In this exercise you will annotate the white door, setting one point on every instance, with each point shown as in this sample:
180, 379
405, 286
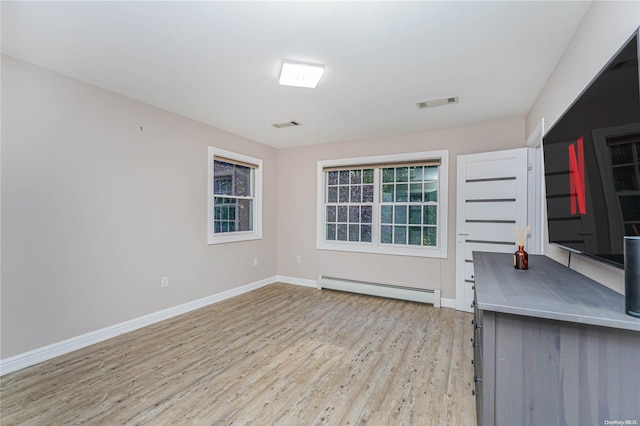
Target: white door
491, 202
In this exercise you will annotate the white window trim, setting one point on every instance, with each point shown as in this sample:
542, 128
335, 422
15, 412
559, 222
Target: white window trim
375, 246
229, 237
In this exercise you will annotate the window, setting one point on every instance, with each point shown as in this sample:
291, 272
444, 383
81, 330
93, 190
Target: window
625, 162
235, 189
384, 204
349, 205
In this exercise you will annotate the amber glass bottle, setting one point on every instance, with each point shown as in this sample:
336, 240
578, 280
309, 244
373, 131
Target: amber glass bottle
521, 259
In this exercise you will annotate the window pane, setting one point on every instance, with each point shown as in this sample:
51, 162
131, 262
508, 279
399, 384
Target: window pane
431, 173
342, 213
244, 220
222, 185
621, 154
367, 176
332, 195
354, 232
415, 235
331, 213
354, 214
222, 177
399, 235
331, 231
342, 232
367, 194
387, 193
217, 186
344, 177
431, 192
242, 176
356, 176
416, 174
400, 216
387, 175
227, 186
429, 237
415, 215
344, 194
402, 193
386, 234
416, 193
231, 179
386, 213
366, 213
630, 207
365, 233
430, 215
625, 178
356, 194
402, 174
333, 178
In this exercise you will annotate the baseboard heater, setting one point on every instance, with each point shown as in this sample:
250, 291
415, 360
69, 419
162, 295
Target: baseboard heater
380, 289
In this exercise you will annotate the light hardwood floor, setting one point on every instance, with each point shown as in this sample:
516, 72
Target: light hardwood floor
282, 354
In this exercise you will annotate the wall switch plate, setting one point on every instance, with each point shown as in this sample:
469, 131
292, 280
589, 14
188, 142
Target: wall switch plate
298, 259
255, 261
164, 282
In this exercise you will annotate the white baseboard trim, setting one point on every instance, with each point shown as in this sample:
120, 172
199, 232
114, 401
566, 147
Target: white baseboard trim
48, 352
447, 303
297, 281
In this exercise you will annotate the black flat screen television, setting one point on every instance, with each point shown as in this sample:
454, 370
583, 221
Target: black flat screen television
592, 163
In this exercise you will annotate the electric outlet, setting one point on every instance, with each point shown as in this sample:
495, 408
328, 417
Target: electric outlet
298, 259
255, 261
164, 282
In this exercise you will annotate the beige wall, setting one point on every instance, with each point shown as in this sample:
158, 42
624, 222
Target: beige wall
297, 206
95, 212
605, 28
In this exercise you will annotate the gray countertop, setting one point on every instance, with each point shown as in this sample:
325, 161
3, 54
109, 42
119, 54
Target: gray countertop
546, 290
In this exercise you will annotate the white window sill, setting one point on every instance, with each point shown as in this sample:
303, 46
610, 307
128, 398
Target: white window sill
418, 251
234, 237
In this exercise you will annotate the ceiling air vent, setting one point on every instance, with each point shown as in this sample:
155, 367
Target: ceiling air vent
437, 102
286, 124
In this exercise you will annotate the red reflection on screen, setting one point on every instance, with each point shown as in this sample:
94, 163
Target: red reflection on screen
576, 177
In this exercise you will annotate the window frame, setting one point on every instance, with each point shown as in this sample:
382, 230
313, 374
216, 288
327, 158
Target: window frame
440, 251
256, 181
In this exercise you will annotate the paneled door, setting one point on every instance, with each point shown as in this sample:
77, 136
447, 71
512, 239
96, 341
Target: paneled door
491, 202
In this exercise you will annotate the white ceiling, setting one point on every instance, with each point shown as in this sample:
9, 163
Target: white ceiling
218, 62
